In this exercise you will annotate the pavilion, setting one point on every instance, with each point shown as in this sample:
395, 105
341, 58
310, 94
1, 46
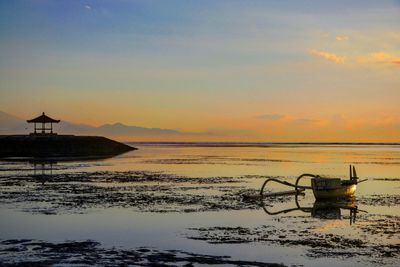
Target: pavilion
43, 120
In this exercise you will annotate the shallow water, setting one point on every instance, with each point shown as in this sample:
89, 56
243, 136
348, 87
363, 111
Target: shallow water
188, 198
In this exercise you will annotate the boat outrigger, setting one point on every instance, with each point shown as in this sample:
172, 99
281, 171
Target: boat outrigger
323, 188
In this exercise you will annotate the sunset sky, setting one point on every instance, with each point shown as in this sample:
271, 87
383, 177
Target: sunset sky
217, 70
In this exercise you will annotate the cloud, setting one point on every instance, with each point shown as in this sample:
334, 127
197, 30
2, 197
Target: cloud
88, 7
372, 58
341, 38
378, 57
228, 131
328, 56
270, 117
305, 121
338, 120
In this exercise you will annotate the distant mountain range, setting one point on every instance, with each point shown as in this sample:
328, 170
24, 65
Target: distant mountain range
10, 124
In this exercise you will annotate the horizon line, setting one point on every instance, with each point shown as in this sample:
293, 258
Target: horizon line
234, 143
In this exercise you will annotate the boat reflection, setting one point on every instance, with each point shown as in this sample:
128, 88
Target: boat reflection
323, 209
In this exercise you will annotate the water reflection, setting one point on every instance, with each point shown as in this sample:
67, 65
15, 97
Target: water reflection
323, 209
43, 170
43, 167
113, 217
333, 210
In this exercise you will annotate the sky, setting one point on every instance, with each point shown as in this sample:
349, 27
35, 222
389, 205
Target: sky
217, 70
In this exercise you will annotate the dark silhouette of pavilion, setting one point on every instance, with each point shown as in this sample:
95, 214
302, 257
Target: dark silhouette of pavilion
42, 120
43, 144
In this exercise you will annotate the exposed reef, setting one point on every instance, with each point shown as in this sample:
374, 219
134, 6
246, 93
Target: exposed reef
27, 252
377, 242
80, 192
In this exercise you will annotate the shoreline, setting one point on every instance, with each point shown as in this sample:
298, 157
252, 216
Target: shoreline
265, 144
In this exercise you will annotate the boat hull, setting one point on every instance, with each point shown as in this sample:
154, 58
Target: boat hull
340, 192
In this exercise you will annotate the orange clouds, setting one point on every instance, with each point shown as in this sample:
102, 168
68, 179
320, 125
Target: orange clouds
372, 58
341, 38
328, 56
379, 57
371, 127
270, 117
371, 49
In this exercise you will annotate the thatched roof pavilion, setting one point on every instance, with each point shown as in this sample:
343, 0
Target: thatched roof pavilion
43, 120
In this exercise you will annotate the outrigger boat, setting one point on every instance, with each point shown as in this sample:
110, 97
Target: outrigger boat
332, 195
323, 188
335, 187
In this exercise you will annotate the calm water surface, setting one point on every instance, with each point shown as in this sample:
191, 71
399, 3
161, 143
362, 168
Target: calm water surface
127, 227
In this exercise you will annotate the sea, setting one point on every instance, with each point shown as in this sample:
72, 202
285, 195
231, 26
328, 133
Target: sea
195, 204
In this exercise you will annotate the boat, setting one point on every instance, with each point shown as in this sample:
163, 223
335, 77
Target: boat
326, 188
322, 187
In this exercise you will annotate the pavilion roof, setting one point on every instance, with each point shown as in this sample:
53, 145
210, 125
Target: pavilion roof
43, 119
